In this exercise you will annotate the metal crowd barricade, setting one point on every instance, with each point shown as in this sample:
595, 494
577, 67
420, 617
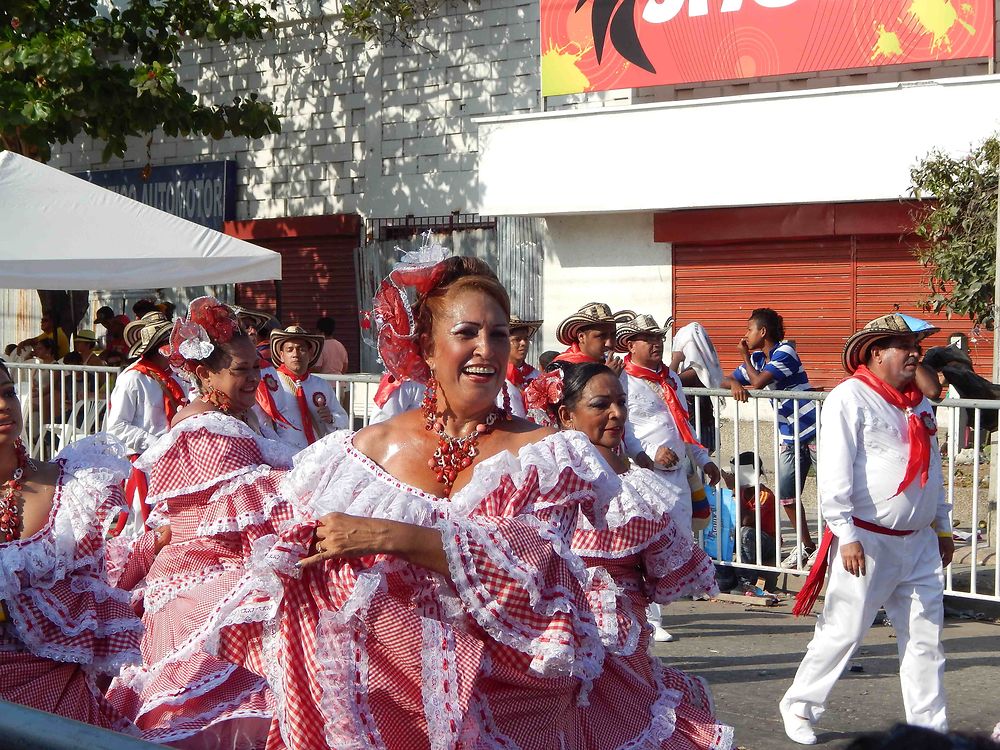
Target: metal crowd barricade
973, 574
60, 403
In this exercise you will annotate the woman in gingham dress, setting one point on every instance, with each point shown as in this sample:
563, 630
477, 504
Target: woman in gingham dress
441, 606
62, 625
648, 549
214, 493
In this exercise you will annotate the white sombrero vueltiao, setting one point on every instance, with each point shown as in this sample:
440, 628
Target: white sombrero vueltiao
313, 340
640, 324
590, 315
146, 333
895, 324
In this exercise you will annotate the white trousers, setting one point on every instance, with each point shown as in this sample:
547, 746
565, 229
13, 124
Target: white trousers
904, 575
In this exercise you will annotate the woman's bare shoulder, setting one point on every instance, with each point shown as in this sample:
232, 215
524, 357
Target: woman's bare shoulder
379, 441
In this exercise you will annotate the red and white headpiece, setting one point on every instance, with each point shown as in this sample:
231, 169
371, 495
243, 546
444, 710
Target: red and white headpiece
542, 397
391, 323
193, 339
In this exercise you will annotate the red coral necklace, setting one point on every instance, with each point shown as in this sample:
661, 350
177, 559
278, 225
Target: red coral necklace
10, 498
453, 454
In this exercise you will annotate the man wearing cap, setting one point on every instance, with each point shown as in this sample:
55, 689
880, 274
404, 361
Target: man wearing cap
115, 326
145, 398
590, 335
889, 532
519, 372
301, 407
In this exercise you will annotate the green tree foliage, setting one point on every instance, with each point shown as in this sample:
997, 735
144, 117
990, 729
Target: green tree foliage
107, 70
957, 227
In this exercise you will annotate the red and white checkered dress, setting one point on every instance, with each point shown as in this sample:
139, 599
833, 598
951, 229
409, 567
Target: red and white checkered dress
211, 479
377, 653
652, 558
67, 624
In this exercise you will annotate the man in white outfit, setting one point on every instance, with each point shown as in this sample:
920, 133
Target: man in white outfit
301, 407
889, 531
657, 433
146, 396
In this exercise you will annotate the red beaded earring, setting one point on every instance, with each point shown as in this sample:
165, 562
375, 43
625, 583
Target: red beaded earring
507, 413
217, 398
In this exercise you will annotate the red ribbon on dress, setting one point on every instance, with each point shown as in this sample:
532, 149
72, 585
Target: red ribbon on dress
574, 356
662, 378
173, 394
517, 375
300, 398
809, 593
919, 432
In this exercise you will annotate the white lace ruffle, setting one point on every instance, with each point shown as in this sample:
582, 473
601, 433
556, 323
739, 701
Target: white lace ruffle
643, 495
331, 475
230, 524
275, 453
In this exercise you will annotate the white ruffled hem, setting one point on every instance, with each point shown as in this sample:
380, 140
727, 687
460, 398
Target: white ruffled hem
275, 452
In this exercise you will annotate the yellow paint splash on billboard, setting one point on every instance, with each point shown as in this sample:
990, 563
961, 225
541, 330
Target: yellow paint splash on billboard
937, 18
887, 44
560, 74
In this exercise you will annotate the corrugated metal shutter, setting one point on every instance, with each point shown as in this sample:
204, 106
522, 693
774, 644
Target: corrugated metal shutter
318, 279
889, 277
808, 282
825, 289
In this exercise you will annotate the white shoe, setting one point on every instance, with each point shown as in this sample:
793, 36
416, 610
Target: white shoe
660, 635
791, 560
798, 729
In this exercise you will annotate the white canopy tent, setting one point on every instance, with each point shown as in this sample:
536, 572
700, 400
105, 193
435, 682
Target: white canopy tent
58, 231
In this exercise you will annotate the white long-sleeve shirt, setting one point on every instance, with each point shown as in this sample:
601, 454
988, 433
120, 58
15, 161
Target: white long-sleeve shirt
410, 394
650, 423
865, 446
136, 415
317, 390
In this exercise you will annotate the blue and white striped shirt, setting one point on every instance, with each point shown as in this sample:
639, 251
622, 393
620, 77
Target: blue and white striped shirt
788, 375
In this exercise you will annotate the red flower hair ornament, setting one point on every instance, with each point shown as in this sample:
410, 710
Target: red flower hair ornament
542, 397
390, 325
193, 339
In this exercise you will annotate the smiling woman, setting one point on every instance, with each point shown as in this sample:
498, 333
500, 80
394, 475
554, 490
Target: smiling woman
214, 494
438, 603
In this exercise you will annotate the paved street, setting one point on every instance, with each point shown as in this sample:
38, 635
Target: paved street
750, 657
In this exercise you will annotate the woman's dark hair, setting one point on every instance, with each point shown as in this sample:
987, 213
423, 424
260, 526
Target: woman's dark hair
49, 344
460, 272
326, 325
222, 355
575, 379
769, 319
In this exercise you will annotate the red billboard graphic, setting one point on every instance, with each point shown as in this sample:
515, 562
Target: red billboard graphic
596, 45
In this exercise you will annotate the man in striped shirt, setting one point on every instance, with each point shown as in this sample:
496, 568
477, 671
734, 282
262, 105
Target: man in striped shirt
771, 362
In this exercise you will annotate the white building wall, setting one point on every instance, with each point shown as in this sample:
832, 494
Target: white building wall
603, 258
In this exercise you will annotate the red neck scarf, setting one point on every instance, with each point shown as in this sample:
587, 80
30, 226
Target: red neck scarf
518, 376
920, 428
173, 394
662, 378
386, 387
574, 356
300, 397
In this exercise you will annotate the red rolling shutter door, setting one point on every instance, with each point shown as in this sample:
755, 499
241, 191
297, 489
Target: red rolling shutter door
806, 281
318, 276
825, 289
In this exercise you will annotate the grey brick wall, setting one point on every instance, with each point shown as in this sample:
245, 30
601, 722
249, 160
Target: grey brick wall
391, 132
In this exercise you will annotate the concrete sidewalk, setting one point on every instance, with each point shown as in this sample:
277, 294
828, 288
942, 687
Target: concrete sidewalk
750, 657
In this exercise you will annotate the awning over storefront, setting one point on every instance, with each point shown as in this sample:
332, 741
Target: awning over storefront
60, 232
821, 146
